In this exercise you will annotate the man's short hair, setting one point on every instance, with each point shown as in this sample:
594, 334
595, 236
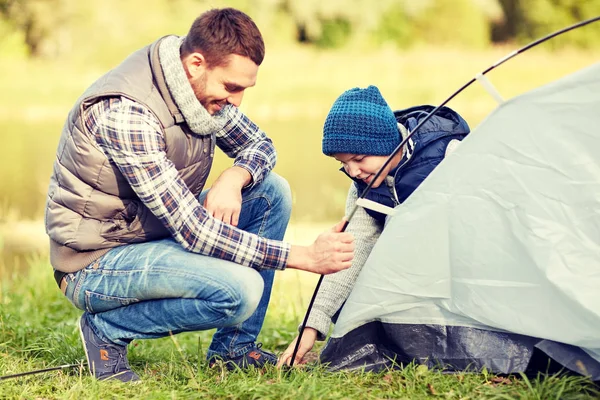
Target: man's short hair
218, 33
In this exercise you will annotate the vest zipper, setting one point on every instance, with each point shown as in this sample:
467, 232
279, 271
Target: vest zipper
409, 147
389, 181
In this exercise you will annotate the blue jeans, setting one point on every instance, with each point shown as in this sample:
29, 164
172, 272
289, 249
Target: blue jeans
152, 289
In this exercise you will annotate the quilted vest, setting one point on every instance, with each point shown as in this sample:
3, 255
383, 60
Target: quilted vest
90, 206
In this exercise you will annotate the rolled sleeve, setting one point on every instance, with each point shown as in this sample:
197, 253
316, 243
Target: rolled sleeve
252, 149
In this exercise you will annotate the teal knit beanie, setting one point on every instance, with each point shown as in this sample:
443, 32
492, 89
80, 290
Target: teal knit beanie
360, 122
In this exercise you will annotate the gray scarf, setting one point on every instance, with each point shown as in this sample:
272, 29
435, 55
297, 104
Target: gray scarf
196, 116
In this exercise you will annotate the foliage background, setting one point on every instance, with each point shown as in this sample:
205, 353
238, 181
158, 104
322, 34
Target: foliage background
66, 27
415, 51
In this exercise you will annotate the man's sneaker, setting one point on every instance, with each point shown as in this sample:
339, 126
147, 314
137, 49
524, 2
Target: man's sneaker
105, 360
255, 357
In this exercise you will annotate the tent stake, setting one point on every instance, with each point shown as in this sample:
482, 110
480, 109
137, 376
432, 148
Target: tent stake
39, 371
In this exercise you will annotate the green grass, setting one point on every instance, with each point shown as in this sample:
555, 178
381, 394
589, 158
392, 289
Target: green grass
295, 90
38, 330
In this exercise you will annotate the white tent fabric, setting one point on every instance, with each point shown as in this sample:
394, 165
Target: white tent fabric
504, 235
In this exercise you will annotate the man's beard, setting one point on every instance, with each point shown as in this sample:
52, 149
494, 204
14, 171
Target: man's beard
200, 90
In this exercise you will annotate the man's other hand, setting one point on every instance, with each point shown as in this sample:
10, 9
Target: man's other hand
224, 199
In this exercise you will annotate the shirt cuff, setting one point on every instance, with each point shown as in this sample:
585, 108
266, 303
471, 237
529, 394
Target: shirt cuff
276, 254
255, 169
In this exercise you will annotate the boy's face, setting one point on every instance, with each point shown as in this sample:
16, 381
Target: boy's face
365, 167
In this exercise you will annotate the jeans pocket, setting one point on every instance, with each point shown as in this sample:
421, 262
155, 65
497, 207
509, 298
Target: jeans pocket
97, 302
73, 286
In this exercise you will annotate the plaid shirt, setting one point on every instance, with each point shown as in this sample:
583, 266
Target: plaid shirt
132, 139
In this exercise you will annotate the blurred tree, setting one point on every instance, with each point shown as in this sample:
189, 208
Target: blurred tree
109, 28
43, 24
527, 20
403, 22
331, 23
396, 26
506, 29
465, 23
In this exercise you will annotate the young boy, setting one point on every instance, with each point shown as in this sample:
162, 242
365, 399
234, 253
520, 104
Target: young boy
361, 132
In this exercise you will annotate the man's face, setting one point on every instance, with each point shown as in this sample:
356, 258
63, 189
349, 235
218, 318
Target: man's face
220, 85
365, 167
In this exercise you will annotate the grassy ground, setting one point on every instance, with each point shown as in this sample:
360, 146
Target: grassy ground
295, 90
38, 330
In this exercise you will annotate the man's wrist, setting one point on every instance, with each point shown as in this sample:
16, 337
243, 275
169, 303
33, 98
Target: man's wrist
298, 257
237, 176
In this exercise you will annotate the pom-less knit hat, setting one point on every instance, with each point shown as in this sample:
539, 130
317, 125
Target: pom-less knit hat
360, 122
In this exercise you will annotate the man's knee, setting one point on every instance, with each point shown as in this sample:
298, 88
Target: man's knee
250, 292
279, 190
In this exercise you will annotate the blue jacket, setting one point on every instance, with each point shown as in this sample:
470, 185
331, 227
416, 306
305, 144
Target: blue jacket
425, 150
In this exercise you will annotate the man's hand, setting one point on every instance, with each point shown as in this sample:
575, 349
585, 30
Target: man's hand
224, 199
333, 251
308, 341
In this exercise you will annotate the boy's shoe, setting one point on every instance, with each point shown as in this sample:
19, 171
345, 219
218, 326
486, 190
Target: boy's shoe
105, 360
255, 357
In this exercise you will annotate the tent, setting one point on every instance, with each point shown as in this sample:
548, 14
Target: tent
494, 261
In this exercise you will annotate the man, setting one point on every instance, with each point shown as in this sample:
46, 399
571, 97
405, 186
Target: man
134, 243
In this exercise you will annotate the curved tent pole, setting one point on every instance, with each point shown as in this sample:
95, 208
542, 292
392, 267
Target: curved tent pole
399, 147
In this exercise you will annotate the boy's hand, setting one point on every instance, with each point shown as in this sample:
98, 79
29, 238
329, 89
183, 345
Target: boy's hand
308, 341
331, 252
